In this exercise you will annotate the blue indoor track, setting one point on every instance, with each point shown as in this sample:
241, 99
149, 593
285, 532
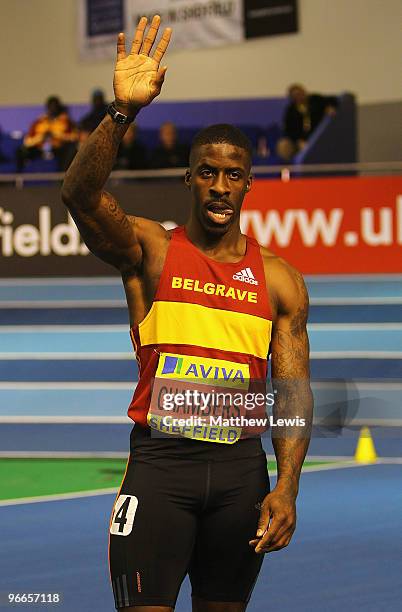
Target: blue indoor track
67, 374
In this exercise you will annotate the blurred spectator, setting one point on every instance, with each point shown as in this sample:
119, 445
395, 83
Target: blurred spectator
51, 135
91, 120
302, 115
3, 158
262, 152
170, 153
132, 154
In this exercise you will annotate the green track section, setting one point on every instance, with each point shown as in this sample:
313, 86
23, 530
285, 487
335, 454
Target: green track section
35, 477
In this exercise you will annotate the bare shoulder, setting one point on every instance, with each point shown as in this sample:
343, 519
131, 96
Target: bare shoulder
147, 227
154, 242
149, 233
285, 283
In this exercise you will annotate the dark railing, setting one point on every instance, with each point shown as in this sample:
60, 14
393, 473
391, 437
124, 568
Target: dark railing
285, 173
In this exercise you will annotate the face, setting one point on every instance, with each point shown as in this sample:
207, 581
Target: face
298, 95
53, 107
219, 177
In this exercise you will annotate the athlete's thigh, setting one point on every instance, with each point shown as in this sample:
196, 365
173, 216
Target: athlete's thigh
152, 534
200, 605
224, 567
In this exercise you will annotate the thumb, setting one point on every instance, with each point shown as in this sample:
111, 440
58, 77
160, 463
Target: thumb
263, 521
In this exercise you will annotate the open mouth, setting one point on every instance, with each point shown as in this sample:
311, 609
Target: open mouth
219, 212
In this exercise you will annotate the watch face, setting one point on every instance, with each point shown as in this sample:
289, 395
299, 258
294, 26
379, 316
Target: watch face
117, 116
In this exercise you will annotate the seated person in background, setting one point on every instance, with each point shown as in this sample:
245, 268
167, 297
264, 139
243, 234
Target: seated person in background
3, 158
261, 152
302, 115
132, 154
51, 135
91, 120
170, 153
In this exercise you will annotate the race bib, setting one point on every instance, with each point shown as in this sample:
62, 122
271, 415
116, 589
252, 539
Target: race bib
202, 398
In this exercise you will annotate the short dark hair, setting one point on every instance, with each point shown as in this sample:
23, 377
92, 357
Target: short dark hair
222, 133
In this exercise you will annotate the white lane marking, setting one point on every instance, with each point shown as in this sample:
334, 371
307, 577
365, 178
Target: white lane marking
356, 354
376, 385
130, 355
13, 329
57, 280
72, 419
63, 455
56, 497
364, 278
352, 326
116, 280
95, 303
68, 386
67, 356
65, 496
120, 328
351, 301
4, 304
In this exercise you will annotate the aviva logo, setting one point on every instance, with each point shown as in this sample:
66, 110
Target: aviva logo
204, 370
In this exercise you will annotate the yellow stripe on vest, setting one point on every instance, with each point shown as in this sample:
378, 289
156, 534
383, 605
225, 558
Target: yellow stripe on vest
196, 325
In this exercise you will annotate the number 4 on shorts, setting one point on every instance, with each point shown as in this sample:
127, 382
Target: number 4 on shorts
123, 515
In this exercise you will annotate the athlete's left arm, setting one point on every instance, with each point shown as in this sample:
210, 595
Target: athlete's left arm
293, 401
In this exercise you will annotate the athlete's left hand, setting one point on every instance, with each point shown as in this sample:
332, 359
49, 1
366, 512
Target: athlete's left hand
277, 521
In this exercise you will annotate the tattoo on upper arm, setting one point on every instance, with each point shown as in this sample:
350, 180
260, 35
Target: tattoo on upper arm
92, 165
117, 214
298, 322
290, 344
291, 347
290, 363
103, 224
290, 379
108, 238
289, 355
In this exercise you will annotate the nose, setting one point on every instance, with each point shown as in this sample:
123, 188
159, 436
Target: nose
220, 186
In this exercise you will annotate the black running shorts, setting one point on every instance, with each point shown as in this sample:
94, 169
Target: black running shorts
186, 507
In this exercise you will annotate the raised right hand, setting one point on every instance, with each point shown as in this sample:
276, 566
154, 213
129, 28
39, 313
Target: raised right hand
138, 79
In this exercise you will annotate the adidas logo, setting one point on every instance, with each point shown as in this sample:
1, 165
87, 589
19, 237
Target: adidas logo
245, 276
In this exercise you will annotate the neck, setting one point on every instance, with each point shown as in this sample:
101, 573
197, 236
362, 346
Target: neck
223, 247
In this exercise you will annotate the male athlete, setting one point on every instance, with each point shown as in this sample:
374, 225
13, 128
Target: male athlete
207, 304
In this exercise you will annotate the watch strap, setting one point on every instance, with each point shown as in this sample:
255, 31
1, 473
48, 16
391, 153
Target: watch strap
117, 116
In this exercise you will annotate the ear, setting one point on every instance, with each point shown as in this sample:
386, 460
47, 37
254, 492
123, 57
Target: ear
187, 179
249, 182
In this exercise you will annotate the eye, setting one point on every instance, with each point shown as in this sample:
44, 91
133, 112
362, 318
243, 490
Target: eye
234, 174
205, 173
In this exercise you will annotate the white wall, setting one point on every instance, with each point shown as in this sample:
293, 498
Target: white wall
350, 45
380, 132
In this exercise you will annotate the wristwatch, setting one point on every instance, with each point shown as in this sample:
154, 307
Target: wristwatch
117, 116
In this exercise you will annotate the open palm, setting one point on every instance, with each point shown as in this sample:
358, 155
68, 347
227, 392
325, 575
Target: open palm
138, 79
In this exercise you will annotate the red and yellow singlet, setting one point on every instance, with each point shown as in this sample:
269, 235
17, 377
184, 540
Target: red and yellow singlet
210, 322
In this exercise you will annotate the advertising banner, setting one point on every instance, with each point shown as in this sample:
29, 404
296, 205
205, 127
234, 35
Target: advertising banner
321, 226
39, 238
329, 225
195, 23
